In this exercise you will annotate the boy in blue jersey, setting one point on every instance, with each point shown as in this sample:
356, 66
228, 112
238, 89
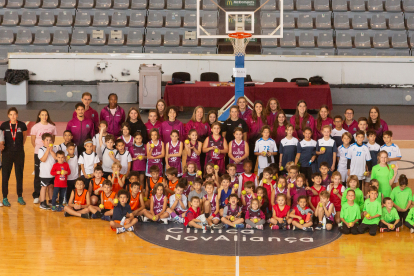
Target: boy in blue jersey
288, 147
374, 149
338, 130
326, 148
359, 158
306, 154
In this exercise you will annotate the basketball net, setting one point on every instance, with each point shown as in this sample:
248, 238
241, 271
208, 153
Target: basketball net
239, 41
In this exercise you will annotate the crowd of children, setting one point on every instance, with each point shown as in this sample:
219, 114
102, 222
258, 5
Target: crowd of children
301, 183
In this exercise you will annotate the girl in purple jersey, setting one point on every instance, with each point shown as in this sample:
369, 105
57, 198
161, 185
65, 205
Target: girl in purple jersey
126, 135
215, 147
155, 152
174, 151
193, 148
232, 213
158, 208
138, 153
238, 150
211, 205
190, 173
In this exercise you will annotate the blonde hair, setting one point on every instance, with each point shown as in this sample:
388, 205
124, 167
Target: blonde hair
193, 117
352, 178
336, 173
117, 164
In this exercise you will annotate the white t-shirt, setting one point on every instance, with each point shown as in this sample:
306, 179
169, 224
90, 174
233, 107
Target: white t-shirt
106, 160
343, 160
124, 159
183, 199
365, 139
358, 155
46, 167
268, 145
63, 148
393, 152
74, 167
88, 161
95, 142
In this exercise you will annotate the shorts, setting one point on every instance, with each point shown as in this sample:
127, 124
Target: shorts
86, 181
106, 174
215, 216
44, 182
140, 172
116, 221
344, 175
338, 208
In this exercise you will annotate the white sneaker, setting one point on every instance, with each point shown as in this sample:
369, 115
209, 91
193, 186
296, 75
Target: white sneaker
120, 230
1, 204
164, 220
36, 200
130, 229
144, 219
412, 230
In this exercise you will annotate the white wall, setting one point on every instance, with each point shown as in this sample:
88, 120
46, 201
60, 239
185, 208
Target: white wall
335, 69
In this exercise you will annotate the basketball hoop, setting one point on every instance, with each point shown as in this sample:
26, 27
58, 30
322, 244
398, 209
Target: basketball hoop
239, 40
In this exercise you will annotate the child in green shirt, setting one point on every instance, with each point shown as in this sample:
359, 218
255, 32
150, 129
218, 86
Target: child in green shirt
350, 214
390, 220
353, 183
409, 220
372, 213
375, 184
402, 195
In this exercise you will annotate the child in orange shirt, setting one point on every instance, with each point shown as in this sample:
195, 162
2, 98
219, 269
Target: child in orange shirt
108, 201
96, 189
117, 179
137, 200
79, 201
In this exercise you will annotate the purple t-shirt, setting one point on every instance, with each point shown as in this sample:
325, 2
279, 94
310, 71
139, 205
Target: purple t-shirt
155, 152
194, 157
135, 151
238, 151
175, 161
38, 130
81, 130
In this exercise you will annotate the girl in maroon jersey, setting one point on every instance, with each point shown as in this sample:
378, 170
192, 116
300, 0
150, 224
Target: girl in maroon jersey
158, 208
193, 148
238, 150
232, 213
174, 151
126, 135
190, 173
139, 155
216, 147
155, 151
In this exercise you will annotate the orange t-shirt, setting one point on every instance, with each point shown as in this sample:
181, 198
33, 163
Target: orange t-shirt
152, 184
80, 199
115, 186
134, 202
107, 204
99, 185
171, 186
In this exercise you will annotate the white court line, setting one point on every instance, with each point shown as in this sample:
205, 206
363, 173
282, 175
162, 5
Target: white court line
237, 265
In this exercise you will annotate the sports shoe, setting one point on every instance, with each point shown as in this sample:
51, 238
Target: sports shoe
382, 230
412, 230
227, 226
36, 200
6, 202
120, 230
97, 215
248, 226
64, 202
106, 218
240, 225
21, 201
319, 226
206, 227
85, 216
44, 206
123, 221
50, 201
164, 220
131, 228
307, 229
218, 226
294, 228
66, 214
274, 227
397, 229
56, 209
144, 219
260, 227
1, 204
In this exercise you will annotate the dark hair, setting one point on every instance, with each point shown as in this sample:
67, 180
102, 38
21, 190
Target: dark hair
98, 168
168, 109
112, 94
103, 122
109, 137
123, 192
377, 124
156, 109
79, 105
268, 170
46, 135
155, 130
138, 133
236, 196
119, 141
388, 132
254, 114
60, 152
237, 129
134, 184
324, 164
87, 94
350, 109
371, 132
338, 117
317, 174
195, 198
70, 144
297, 116
128, 119
249, 184
134, 173
307, 128
12, 109
172, 171
175, 131
81, 180
361, 119
48, 117
360, 132
402, 180
226, 177
68, 131
265, 195
352, 191
319, 119
209, 183
198, 180
215, 124
107, 182
267, 110
126, 124
154, 168
154, 191
302, 197
246, 161
372, 189
386, 199
212, 112
182, 183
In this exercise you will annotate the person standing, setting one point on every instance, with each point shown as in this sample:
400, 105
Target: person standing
114, 115
136, 124
255, 122
80, 127
349, 123
377, 124
90, 113
233, 122
302, 119
170, 124
43, 125
13, 153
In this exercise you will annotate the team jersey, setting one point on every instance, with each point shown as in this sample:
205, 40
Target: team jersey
332, 216
115, 185
359, 155
393, 152
98, 148
391, 216
307, 151
350, 213
88, 161
315, 198
306, 210
243, 178
46, 167
238, 151
224, 197
150, 184
213, 202
158, 204
175, 162
124, 158
63, 148
80, 199
335, 198
343, 160
359, 198
330, 148
107, 204
289, 149
134, 202
372, 208
96, 186
281, 213
262, 145
233, 181
136, 151
74, 167
106, 160
128, 143
194, 157
248, 199
374, 150
171, 186
228, 211
156, 151
365, 139
337, 136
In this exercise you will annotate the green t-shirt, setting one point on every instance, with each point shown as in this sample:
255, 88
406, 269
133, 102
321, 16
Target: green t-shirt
401, 198
359, 198
350, 213
410, 217
391, 216
383, 175
372, 208
379, 198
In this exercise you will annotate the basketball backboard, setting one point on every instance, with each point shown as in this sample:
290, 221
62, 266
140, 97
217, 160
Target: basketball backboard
240, 16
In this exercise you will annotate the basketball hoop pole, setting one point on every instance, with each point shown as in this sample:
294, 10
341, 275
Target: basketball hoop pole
239, 41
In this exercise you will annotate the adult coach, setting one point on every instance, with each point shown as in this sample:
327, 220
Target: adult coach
302, 119
171, 124
80, 127
90, 113
114, 115
376, 124
43, 125
349, 123
13, 153
384, 174
232, 122
198, 122
255, 122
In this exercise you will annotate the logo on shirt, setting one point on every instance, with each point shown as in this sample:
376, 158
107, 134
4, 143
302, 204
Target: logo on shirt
354, 128
87, 126
239, 126
93, 115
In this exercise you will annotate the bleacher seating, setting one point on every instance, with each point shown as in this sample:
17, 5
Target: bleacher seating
321, 27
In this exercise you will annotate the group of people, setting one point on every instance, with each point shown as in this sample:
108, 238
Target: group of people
311, 173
